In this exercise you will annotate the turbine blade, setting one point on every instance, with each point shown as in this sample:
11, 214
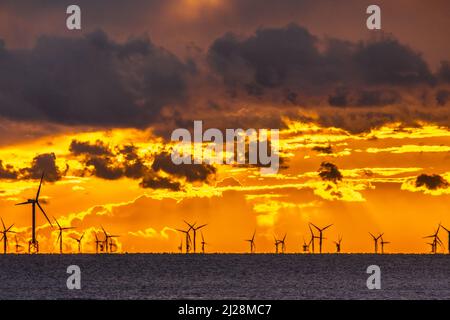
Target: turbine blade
327, 227
45, 214
4, 227
315, 226
39, 189
22, 203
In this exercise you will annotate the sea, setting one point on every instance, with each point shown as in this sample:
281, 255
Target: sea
224, 276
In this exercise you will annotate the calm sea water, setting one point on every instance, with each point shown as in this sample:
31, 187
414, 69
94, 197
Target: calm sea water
230, 276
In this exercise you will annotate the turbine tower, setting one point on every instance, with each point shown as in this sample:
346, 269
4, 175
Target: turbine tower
60, 235
33, 245
4, 233
252, 242
321, 230
203, 243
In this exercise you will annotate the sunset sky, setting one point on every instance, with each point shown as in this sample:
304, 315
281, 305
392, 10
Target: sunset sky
95, 109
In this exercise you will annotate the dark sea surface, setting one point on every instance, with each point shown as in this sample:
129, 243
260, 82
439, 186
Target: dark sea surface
225, 276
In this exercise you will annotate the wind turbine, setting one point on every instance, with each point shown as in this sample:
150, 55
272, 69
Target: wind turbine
203, 243
320, 234
448, 232
60, 235
33, 245
305, 246
283, 244
436, 240
98, 243
194, 230
338, 245
382, 244
375, 239
79, 242
19, 247
180, 247
313, 236
108, 240
252, 242
188, 238
277, 243
4, 233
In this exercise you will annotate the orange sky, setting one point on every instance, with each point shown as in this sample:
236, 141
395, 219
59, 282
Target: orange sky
239, 200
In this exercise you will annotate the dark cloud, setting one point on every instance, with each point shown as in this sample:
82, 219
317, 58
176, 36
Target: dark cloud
442, 97
104, 167
328, 149
160, 183
96, 149
192, 172
390, 62
90, 80
365, 98
444, 71
7, 171
431, 182
330, 172
43, 163
290, 57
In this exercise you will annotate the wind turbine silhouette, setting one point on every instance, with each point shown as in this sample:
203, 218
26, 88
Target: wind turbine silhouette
33, 244
375, 239
79, 242
4, 233
382, 244
338, 245
306, 246
194, 230
436, 240
321, 234
283, 244
277, 243
188, 238
252, 242
203, 243
313, 236
180, 247
60, 235
448, 232
98, 243
19, 247
108, 240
